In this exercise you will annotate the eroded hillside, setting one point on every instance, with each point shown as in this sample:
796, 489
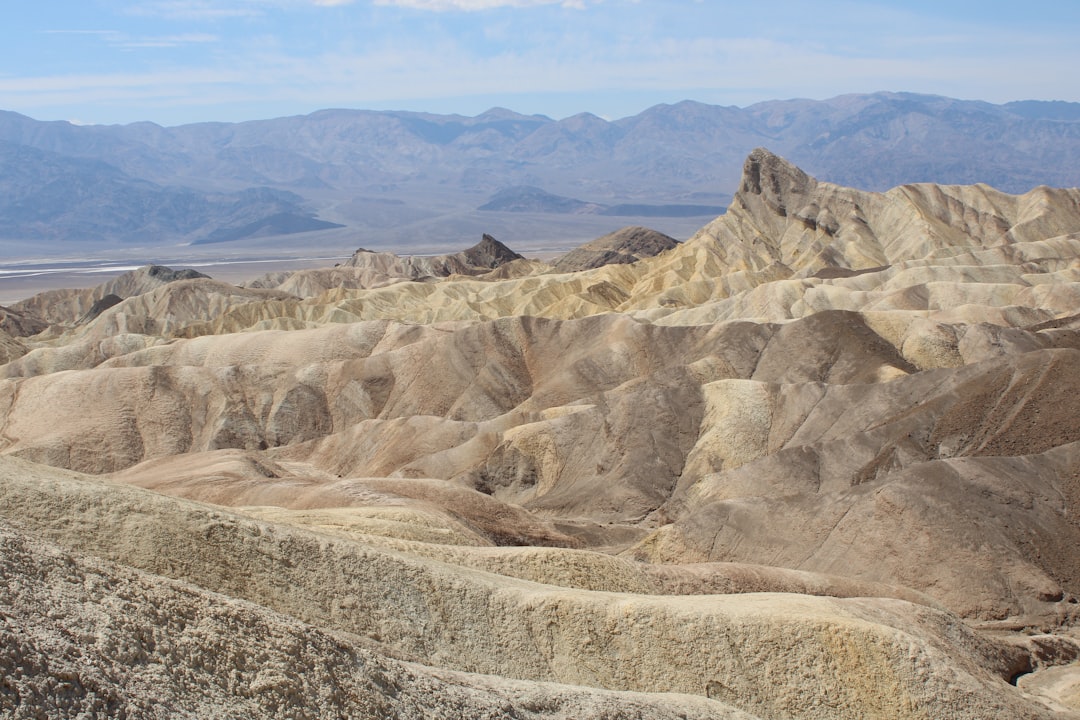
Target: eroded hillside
820, 460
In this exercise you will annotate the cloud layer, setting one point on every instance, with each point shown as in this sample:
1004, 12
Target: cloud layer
467, 5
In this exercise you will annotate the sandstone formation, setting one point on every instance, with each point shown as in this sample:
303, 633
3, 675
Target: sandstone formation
10, 347
752, 652
64, 306
20, 324
367, 269
820, 460
627, 245
204, 655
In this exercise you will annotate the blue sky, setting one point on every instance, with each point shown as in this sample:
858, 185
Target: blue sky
179, 61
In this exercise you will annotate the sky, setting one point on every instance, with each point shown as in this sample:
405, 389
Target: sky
181, 61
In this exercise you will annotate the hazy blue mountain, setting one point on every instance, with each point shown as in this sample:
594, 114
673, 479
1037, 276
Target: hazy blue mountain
525, 198
402, 175
528, 199
879, 141
49, 197
1045, 110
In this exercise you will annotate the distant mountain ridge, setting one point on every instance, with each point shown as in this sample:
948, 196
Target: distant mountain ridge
410, 174
49, 196
526, 198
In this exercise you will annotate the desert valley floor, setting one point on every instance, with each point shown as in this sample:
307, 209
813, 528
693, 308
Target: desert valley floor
821, 460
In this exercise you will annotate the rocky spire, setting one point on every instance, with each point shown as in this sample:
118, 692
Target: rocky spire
775, 180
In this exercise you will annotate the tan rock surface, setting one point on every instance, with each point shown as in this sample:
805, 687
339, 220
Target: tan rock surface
765, 654
10, 348
20, 324
367, 269
820, 460
84, 637
624, 246
66, 307
1058, 687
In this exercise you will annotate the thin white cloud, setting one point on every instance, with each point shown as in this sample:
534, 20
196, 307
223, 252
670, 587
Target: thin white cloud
165, 41
206, 10
104, 33
195, 9
115, 38
465, 5
121, 82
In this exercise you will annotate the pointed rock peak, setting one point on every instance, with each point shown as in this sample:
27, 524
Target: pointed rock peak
774, 179
766, 173
491, 253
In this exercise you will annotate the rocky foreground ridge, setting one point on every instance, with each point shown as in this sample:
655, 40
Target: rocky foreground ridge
820, 460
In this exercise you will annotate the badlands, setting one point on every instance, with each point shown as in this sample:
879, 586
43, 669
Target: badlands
821, 460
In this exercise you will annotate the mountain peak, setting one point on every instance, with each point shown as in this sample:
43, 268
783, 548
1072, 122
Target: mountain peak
501, 113
491, 253
773, 178
165, 274
624, 246
765, 171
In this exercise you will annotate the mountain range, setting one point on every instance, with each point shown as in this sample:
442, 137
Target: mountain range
404, 179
